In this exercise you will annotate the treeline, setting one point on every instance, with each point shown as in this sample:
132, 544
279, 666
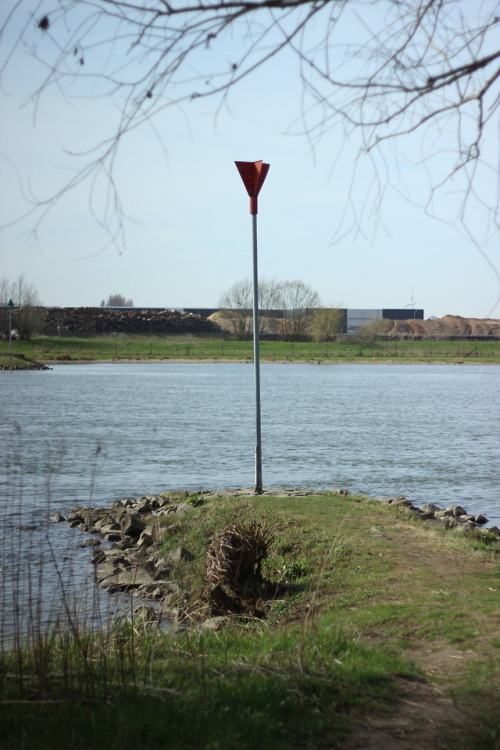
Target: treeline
289, 310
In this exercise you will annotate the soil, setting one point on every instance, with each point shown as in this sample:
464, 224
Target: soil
425, 710
449, 325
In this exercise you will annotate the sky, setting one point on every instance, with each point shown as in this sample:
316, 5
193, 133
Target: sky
187, 235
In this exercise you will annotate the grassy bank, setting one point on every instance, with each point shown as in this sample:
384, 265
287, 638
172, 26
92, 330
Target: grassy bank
367, 611
122, 348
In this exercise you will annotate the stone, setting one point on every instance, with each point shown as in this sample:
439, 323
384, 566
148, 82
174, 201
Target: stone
430, 508
56, 517
99, 557
106, 570
402, 502
131, 525
162, 570
125, 580
180, 554
449, 522
107, 528
144, 505
145, 539
480, 519
456, 510
215, 623
443, 513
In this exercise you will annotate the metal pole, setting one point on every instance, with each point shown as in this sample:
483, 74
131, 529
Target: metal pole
10, 331
256, 360
253, 175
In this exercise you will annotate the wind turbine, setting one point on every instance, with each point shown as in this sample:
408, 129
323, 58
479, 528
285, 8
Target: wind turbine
411, 303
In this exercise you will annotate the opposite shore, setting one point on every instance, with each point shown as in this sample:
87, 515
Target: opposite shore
182, 349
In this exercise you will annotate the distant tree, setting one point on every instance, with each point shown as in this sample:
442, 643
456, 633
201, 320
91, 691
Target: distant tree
28, 315
373, 330
325, 323
298, 300
237, 303
117, 300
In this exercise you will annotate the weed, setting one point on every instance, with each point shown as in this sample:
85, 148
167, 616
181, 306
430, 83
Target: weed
196, 500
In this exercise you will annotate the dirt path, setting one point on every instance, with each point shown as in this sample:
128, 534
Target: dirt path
426, 709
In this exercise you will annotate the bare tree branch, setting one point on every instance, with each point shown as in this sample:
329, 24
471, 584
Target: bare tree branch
381, 70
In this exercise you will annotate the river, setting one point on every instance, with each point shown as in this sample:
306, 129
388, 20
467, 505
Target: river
90, 434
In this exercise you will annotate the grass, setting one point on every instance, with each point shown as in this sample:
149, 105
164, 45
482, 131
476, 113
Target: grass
125, 348
359, 588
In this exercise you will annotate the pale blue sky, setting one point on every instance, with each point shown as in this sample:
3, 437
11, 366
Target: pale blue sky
189, 234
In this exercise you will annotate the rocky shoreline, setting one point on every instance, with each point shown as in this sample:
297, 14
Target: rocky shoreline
135, 528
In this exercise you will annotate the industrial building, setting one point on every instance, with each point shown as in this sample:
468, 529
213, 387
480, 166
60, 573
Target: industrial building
356, 319
352, 319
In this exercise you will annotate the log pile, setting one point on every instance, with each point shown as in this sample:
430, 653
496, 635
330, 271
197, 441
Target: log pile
99, 320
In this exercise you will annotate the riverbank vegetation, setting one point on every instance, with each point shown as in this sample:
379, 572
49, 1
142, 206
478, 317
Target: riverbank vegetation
189, 347
366, 612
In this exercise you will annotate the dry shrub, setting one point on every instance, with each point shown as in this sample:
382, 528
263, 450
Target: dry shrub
233, 577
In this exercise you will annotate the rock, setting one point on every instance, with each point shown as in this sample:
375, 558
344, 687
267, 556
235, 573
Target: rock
145, 539
443, 514
144, 505
426, 515
107, 528
215, 623
131, 525
174, 495
56, 517
494, 530
180, 554
456, 510
125, 580
480, 519
162, 570
161, 501
430, 508
90, 543
125, 544
99, 557
402, 502
106, 570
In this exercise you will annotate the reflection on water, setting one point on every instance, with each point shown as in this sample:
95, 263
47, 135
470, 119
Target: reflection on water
94, 433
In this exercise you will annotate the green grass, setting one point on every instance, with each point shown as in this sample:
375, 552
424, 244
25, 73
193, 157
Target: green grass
347, 615
122, 347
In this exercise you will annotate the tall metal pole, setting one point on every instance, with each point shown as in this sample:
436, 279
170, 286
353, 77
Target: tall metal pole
10, 306
253, 175
256, 360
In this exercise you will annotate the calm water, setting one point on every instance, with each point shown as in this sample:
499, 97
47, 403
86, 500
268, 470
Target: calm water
89, 434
